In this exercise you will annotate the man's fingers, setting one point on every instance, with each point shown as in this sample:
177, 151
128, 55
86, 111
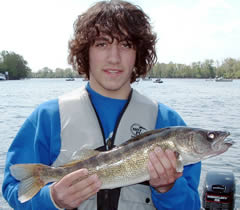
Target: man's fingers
88, 184
162, 166
152, 172
82, 191
166, 164
75, 188
157, 164
73, 177
172, 158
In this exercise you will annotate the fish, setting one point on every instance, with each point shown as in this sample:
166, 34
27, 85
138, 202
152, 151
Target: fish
126, 164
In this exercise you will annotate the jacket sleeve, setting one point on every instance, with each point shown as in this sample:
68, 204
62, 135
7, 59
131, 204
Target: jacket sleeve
38, 141
184, 194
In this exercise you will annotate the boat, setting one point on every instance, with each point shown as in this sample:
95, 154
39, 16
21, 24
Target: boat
2, 76
70, 79
146, 79
158, 80
221, 79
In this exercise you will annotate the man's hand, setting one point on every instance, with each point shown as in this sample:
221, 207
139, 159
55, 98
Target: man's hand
74, 188
162, 169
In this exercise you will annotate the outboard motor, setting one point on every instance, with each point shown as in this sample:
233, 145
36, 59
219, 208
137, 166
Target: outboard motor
218, 191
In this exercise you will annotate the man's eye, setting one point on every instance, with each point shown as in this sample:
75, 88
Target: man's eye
127, 44
100, 44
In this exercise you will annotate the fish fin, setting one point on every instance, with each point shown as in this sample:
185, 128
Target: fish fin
30, 180
180, 165
70, 163
28, 188
143, 135
84, 154
81, 155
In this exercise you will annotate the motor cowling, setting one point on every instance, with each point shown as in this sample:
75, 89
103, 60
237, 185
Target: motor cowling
218, 191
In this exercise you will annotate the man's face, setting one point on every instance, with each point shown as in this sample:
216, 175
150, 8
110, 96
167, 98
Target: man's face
111, 64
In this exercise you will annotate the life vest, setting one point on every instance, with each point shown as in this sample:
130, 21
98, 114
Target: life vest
80, 128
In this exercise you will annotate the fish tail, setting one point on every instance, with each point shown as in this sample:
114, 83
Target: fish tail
30, 180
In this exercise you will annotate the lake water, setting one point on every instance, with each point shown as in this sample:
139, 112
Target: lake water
205, 104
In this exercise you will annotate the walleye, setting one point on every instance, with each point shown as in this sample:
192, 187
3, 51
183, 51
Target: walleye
126, 164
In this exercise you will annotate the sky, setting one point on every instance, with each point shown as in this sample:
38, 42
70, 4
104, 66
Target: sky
187, 30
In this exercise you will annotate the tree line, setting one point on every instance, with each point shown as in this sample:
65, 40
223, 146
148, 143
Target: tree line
57, 73
229, 68
17, 68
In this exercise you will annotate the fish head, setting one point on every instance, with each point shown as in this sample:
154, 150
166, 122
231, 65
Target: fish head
211, 143
199, 144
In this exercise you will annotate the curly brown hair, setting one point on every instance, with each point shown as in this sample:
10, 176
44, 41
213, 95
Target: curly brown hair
120, 20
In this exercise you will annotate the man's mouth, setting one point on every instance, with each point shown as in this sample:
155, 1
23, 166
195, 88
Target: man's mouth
113, 71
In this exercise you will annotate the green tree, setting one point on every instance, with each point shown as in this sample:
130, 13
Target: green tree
208, 69
14, 64
230, 68
59, 73
196, 68
44, 73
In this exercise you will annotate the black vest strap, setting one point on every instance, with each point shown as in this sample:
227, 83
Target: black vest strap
108, 199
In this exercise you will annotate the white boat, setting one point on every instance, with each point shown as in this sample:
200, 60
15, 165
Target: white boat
158, 80
2, 76
70, 79
221, 79
147, 79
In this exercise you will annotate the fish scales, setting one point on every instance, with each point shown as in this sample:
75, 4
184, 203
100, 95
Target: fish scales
129, 163
119, 167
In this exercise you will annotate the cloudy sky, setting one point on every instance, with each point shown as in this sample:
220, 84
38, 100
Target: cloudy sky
188, 30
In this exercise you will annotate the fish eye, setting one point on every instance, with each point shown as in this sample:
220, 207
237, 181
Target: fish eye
211, 136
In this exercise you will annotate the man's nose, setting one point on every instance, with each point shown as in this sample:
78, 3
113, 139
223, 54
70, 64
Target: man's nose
114, 54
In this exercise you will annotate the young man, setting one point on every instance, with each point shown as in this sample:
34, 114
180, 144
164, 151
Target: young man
113, 45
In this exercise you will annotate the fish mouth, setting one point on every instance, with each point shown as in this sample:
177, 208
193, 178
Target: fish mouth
222, 144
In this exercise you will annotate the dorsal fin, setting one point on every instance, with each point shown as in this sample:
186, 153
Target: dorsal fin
81, 155
70, 163
143, 135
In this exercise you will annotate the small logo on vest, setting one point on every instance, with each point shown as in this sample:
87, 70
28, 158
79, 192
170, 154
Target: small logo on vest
137, 129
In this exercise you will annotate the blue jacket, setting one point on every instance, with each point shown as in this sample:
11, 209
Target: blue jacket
38, 141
